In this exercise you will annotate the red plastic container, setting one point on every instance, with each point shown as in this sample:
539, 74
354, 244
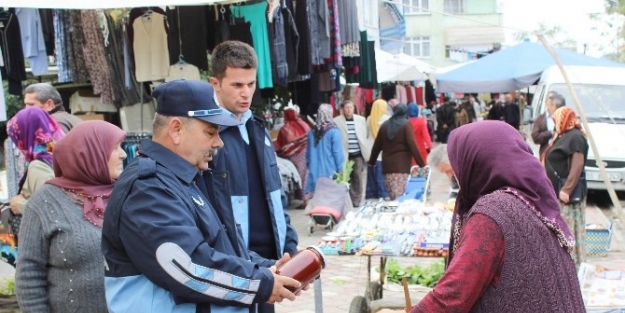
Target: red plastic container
305, 266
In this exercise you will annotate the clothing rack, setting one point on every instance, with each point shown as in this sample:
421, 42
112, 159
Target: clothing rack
131, 144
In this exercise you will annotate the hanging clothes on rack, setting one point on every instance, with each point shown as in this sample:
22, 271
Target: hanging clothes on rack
131, 145
255, 14
76, 42
291, 39
350, 30
280, 67
183, 71
335, 58
304, 48
14, 69
188, 35
151, 54
95, 57
33, 44
47, 27
125, 87
64, 72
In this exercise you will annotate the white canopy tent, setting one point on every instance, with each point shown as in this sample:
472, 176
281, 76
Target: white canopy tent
401, 67
109, 4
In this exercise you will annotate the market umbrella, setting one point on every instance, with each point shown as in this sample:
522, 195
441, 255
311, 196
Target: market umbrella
510, 69
390, 68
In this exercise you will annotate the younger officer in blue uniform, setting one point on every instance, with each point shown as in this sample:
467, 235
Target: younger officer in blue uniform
165, 246
248, 188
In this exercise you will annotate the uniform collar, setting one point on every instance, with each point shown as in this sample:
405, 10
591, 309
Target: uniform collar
184, 170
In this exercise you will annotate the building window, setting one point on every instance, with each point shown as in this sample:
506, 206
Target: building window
416, 6
455, 6
417, 46
370, 16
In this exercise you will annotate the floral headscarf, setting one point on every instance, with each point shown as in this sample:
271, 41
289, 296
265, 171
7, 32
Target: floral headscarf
565, 120
325, 121
35, 133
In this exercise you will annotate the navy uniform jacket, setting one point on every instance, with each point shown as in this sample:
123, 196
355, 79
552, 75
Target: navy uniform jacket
230, 182
166, 249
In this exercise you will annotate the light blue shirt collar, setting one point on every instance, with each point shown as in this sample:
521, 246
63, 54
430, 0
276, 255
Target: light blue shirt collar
242, 129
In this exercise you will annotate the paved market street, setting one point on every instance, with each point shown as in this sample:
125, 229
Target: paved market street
345, 277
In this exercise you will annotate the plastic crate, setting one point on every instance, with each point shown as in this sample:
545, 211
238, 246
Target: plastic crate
598, 241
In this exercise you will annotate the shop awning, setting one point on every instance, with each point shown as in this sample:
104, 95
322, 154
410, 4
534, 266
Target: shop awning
108, 4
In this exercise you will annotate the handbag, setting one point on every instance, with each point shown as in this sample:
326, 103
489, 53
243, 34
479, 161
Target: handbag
579, 192
15, 220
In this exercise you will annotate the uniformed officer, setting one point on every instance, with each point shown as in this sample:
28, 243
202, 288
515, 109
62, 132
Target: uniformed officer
165, 247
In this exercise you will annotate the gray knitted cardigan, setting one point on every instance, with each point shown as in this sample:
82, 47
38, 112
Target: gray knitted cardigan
60, 266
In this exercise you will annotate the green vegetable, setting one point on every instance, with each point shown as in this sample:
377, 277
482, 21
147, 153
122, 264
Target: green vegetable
417, 275
343, 176
9, 286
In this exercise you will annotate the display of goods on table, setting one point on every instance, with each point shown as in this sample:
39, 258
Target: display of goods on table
602, 287
410, 228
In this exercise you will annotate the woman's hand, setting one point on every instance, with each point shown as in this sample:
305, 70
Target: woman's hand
564, 197
14, 203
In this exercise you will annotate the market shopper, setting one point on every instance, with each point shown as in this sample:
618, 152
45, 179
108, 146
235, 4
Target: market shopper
564, 161
439, 159
165, 245
60, 255
543, 129
420, 129
509, 248
46, 97
396, 142
325, 155
356, 148
245, 175
291, 144
34, 133
376, 188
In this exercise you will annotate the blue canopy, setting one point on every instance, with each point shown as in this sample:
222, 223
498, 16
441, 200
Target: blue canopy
511, 69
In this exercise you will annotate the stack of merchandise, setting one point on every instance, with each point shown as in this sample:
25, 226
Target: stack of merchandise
410, 228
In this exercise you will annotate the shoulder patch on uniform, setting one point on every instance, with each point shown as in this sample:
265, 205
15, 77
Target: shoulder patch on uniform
147, 167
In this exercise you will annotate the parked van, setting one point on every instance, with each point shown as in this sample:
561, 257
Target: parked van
601, 91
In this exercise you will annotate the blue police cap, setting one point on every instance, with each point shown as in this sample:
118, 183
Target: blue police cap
191, 98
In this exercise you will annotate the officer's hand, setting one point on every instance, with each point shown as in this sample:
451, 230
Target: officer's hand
280, 283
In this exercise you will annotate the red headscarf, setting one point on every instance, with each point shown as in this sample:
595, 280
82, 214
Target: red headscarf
294, 128
81, 165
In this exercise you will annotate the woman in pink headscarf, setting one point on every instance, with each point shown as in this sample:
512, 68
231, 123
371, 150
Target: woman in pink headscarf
60, 266
291, 144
